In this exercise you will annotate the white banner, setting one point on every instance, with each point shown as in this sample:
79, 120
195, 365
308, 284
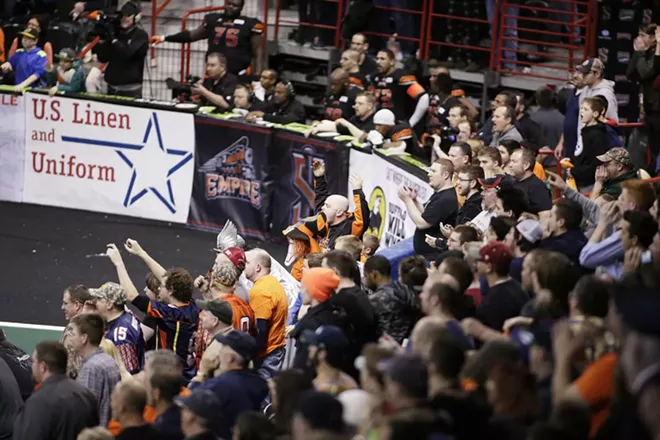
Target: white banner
12, 147
388, 218
108, 158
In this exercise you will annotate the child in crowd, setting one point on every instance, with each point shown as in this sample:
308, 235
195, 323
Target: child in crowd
592, 143
69, 75
370, 245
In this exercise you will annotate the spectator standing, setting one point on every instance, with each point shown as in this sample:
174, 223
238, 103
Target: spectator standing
569, 138
125, 55
340, 102
237, 388
643, 68
121, 327
163, 378
521, 167
11, 401
593, 70
98, 372
238, 37
128, 401
327, 349
529, 129
360, 44
73, 301
505, 296
39, 25
218, 86
175, 314
199, 411
503, 126
395, 305
19, 363
284, 107
591, 144
269, 302
60, 407
548, 118
69, 75
398, 91
442, 207
28, 63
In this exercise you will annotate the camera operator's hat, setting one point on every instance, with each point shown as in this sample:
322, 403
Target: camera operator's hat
66, 54
130, 8
384, 117
30, 33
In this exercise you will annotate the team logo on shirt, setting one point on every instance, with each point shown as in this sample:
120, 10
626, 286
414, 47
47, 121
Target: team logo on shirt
231, 174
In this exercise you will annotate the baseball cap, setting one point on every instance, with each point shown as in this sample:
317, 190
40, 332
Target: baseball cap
530, 229
111, 292
384, 117
130, 8
328, 337
320, 283
30, 33
241, 342
203, 403
220, 308
617, 154
499, 181
590, 64
409, 371
496, 253
237, 256
66, 54
322, 411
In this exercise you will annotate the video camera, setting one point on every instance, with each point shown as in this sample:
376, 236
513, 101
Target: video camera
107, 24
182, 91
448, 136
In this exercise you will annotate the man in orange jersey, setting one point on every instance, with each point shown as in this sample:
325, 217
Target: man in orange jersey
269, 302
229, 265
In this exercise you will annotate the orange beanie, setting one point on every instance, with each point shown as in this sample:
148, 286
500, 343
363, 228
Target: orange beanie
320, 283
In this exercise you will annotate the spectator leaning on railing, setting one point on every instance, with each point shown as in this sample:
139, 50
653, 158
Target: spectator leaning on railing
69, 76
28, 63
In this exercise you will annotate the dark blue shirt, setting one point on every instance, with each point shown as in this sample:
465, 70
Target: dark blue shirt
125, 332
571, 121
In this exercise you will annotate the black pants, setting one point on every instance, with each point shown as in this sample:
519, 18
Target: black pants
137, 93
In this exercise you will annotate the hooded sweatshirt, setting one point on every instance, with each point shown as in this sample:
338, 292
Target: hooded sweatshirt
606, 89
592, 144
239, 391
397, 309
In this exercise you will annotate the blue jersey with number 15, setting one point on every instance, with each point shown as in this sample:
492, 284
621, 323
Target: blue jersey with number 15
125, 332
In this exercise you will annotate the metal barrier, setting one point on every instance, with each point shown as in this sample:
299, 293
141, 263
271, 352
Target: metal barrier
580, 45
336, 27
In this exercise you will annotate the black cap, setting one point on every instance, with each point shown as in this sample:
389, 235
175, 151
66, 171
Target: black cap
30, 33
322, 411
220, 308
241, 342
327, 337
203, 403
638, 307
499, 181
409, 371
129, 9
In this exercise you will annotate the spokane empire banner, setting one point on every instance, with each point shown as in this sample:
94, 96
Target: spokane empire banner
102, 157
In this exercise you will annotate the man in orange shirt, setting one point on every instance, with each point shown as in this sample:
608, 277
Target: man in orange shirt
269, 302
227, 269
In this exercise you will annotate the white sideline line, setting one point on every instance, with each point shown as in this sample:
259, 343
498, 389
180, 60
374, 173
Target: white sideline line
31, 326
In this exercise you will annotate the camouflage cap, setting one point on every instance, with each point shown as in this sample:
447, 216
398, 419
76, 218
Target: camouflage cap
111, 292
617, 154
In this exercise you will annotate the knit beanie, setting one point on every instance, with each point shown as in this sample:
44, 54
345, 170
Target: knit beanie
320, 283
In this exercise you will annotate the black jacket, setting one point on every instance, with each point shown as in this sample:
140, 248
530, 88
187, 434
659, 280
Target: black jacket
10, 401
470, 209
20, 364
594, 142
59, 409
645, 67
355, 303
125, 57
321, 314
397, 309
291, 111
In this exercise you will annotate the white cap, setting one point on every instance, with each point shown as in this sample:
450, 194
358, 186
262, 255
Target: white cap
530, 229
384, 117
357, 406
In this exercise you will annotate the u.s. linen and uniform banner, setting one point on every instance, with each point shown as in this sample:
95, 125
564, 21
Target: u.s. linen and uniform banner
103, 157
388, 218
12, 147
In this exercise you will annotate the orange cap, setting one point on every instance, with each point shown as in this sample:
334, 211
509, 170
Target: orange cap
320, 283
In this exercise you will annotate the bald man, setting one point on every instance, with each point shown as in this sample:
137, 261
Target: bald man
269, 302
128, 400
336, 220
339, 103
350, 62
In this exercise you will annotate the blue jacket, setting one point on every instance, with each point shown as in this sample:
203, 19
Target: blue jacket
239, 391
570, 243
26, 63
612, 134
571, 121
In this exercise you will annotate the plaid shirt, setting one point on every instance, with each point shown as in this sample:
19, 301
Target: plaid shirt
99, 374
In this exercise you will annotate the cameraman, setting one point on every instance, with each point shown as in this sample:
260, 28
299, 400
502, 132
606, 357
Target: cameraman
218, 87
125, 54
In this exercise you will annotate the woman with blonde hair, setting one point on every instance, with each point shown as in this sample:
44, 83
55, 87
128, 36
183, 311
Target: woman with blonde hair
111, 350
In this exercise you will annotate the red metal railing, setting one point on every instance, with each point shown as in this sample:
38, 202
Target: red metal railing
585, 22
336, 27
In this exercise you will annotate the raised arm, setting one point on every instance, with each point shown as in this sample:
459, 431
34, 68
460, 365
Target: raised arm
134, 248
122, 273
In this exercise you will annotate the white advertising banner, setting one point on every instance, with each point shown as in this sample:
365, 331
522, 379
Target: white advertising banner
388, 218
108, 158
12, 147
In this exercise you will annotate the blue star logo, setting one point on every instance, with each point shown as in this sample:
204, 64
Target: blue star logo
145, 177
